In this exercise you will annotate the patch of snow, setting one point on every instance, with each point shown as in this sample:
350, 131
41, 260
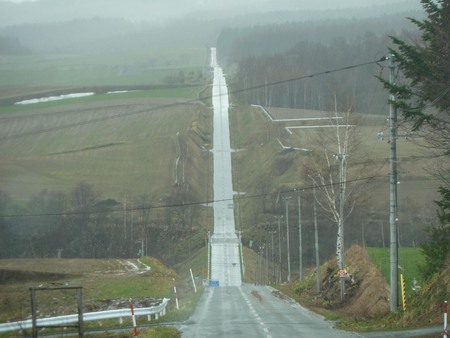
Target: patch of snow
133, 266
146, 267
54, 98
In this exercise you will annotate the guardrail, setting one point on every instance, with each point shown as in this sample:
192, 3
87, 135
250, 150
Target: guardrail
159, 310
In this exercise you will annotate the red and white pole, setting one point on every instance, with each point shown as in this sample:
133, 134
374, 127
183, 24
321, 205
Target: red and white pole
136, 333
445, 319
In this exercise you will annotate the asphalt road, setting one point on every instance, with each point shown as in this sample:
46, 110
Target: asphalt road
255, 311
225, 259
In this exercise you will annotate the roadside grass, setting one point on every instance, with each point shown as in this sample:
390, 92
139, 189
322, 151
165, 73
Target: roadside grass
187, 297
153, 332
125, 332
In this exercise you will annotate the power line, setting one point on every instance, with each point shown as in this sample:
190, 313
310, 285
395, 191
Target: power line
191, 101
169, 105
384, 58
165, 206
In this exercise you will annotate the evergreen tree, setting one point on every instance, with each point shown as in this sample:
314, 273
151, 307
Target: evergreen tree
437, 249
424, 99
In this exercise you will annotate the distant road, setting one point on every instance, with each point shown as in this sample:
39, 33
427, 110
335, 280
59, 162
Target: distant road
225, 258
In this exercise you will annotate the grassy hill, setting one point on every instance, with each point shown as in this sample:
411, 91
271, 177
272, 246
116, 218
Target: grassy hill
111, 143
263, 169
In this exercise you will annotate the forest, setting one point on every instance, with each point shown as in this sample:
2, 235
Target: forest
292, 53
82, 224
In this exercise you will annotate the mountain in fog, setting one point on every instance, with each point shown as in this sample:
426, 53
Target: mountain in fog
161, 10
67, 26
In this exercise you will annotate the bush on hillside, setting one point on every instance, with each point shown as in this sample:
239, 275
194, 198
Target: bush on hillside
437, 249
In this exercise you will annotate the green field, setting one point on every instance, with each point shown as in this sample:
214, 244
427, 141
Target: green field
409, 260
112, 145
136, 67
122, 143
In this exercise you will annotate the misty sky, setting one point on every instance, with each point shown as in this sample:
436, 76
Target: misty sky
306, 4
19, 0
16, 12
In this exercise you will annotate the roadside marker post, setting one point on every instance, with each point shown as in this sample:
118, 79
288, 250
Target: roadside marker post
176, 295
193, 281
445, 319
136, 333
403, 284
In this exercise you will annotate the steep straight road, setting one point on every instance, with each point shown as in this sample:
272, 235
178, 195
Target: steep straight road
225, 259
241, 310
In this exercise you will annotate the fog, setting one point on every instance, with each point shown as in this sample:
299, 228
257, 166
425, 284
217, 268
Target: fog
102, 45
79, 26
13, 12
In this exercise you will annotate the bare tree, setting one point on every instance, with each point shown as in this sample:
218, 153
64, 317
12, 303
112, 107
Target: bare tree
332, 151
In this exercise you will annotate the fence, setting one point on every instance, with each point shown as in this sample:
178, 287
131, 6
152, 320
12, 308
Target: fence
159, 310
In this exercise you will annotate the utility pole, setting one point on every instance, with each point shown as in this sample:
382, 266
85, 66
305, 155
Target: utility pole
393, 194
316, 237
209, 256
272, 257
286, 202
300, 250
279, 246
125, 217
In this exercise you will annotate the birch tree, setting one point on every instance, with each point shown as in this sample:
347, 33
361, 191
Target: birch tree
333, 148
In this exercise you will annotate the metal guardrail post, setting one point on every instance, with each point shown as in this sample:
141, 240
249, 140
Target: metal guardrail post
90, 316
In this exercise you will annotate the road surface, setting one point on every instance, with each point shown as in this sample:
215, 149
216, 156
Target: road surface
255, 311
225, 258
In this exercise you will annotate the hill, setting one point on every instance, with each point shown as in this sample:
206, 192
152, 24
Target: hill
366, 290
365, 306
265, 172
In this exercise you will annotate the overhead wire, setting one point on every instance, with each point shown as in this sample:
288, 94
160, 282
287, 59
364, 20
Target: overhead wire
190, 101
142, 111
199, 203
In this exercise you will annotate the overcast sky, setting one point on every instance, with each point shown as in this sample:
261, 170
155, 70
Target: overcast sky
303, 3
19, 0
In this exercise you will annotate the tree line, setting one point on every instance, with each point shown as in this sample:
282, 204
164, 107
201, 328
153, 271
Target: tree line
80, 224
290, 51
